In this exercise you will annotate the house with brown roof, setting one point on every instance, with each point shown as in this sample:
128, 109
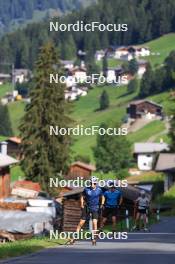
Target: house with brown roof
166, 163
140, 108
81, 169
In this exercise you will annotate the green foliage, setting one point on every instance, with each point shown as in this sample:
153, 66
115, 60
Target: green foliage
45, 155
146, 82
105, 65
112, 153
132, 86
133, 66
143, 19
172, 132
104, 100
5, 124
83, 158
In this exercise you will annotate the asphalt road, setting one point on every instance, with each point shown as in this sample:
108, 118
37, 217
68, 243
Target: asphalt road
156, 247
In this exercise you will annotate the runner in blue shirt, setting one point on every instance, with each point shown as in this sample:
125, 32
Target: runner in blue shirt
91, 202
113, 199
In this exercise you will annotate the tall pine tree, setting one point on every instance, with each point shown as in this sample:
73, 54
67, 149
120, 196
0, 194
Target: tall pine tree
45, 155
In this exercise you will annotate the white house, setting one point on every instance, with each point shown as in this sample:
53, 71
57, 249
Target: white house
4, 78
99, 54
79, 74
142, 51
67, 64
146, 154
121, 51
21, 75
111, 75
142, 64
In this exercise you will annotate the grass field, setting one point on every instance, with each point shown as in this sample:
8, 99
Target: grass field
16, 111
5, 88
162, 45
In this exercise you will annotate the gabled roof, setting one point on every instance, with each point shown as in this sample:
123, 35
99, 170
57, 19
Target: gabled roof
6, 160
84, 165
149, 147
166, 161
145, 101
16, 140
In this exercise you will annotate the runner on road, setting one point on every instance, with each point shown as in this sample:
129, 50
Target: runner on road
142, 204
92, 200
113, 200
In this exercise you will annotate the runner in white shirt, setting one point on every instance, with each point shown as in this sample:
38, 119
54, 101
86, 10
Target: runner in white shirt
142, 204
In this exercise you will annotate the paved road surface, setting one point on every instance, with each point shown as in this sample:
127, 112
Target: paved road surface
156, 247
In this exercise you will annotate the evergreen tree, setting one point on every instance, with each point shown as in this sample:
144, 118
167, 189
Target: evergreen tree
172, 132
132, 86
104, 100
5, 124
133, 66
105, 65
45, 155
146, 82
112, 153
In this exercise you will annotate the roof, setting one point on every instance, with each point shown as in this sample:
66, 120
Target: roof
150, 147
21, 71
84, 165
5, 75
16, 140
166, 161
145, 101
35, 186
6, 160
129, 192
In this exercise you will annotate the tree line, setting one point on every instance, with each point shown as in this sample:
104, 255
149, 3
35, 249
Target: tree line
146, 20
159, 80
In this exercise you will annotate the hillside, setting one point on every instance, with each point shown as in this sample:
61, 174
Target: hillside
17, 13
141, 18
85, 110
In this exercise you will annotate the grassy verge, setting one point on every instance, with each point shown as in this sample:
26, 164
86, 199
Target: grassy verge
16, 173
168, 198
146, 177
18, 248
146, 132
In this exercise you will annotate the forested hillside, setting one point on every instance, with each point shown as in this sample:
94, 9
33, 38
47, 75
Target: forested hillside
146, 20
16, 12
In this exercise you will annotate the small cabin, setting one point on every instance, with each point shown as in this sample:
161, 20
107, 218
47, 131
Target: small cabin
80, 169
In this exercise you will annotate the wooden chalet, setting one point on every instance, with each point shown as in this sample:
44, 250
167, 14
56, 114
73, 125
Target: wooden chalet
140, 108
